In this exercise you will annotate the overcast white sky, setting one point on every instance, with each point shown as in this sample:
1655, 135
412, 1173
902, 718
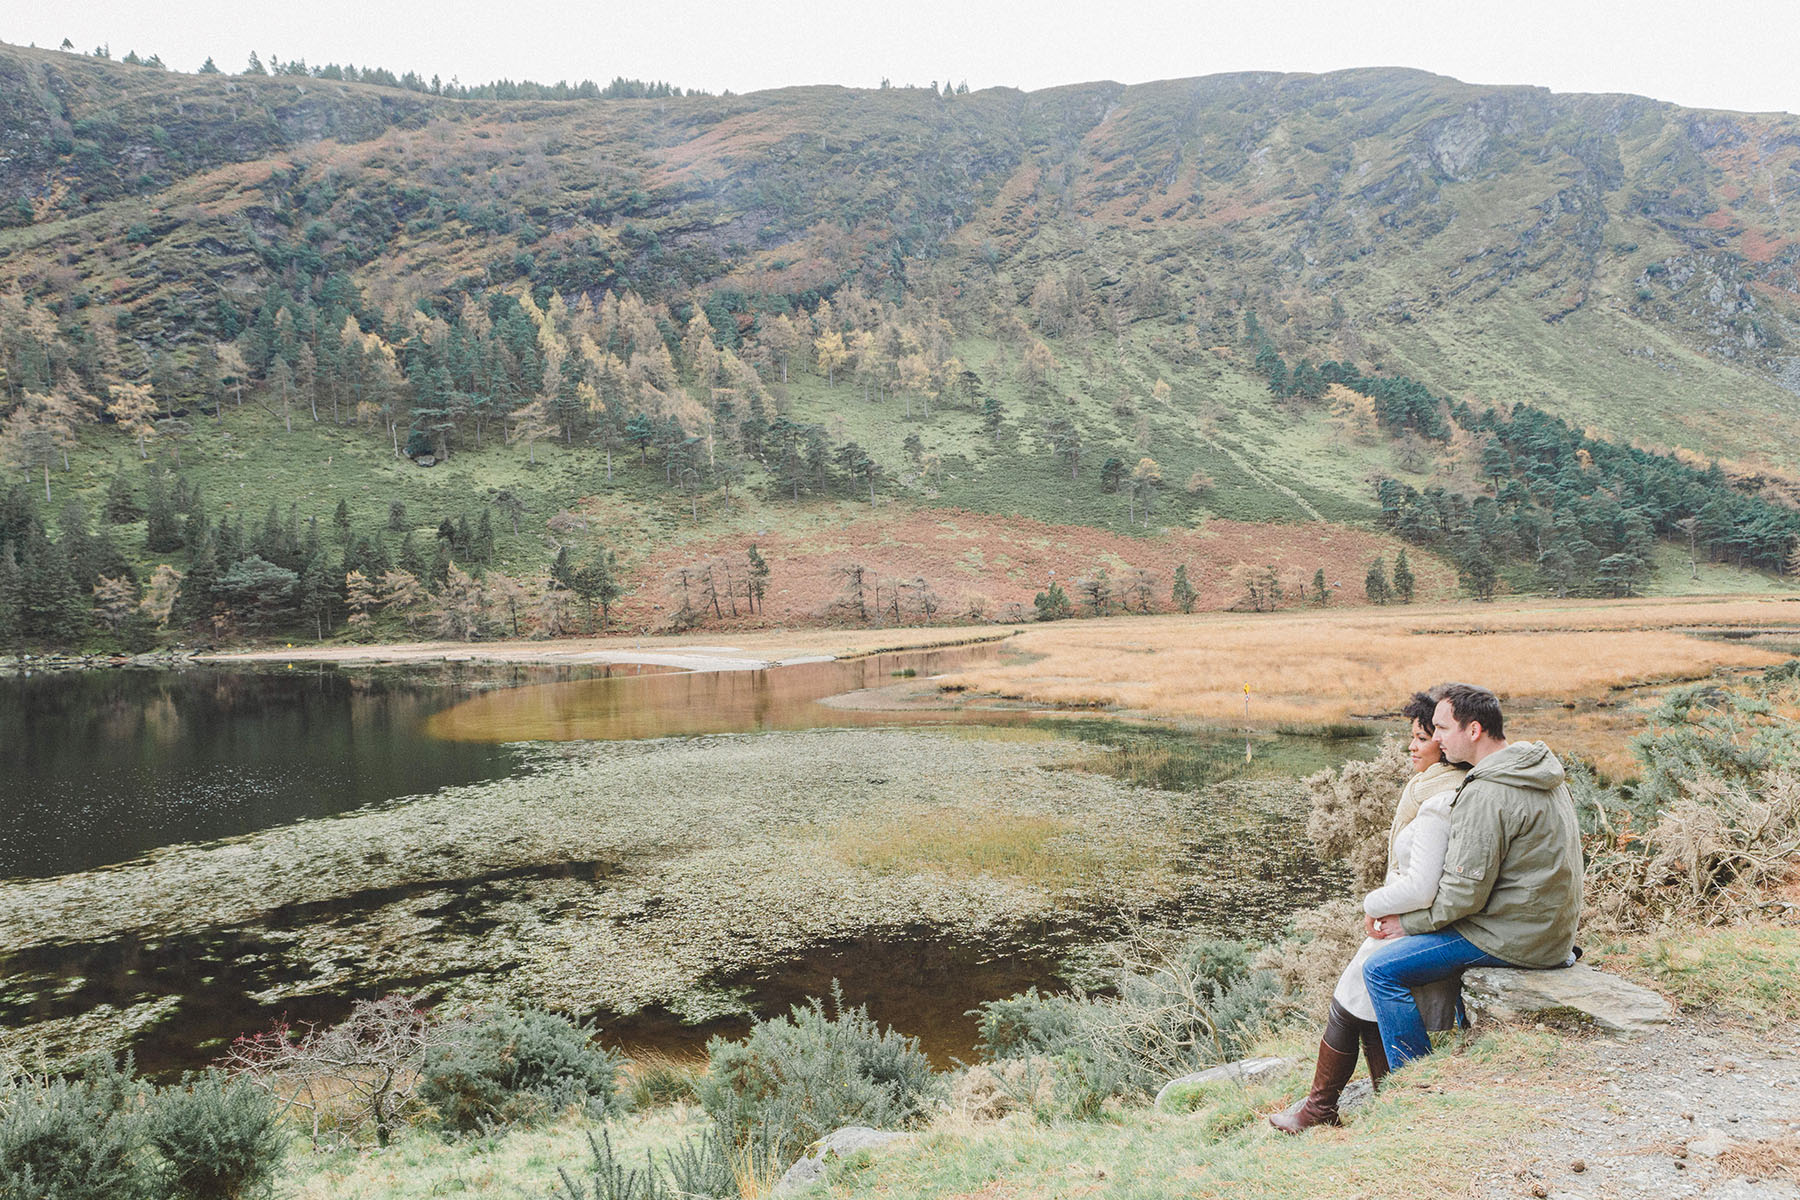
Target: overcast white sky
1738, 54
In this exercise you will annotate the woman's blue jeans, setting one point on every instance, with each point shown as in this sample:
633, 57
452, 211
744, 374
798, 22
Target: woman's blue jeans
1406, 963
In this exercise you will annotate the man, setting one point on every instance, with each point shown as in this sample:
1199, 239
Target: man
1511, 888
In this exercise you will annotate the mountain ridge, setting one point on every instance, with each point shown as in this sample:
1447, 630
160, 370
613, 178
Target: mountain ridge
1140, 274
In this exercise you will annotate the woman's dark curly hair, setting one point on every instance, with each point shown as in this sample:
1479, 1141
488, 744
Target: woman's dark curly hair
1421, 708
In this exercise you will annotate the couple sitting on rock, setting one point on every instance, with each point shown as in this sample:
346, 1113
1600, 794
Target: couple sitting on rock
1484, 870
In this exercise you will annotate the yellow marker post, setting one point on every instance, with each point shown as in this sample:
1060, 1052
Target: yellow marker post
1246, 722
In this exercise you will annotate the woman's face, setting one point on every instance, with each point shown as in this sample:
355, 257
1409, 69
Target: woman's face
1423, 747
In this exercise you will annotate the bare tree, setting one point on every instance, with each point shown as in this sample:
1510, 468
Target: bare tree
371, 1061
852, 600
1139, 584
927, 599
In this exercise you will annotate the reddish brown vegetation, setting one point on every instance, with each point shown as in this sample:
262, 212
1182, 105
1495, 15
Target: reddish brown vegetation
1008, 560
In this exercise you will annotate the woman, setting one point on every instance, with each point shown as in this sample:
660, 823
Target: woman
1416, 844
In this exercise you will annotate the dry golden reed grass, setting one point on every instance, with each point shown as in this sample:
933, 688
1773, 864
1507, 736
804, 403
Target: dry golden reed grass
1314, 668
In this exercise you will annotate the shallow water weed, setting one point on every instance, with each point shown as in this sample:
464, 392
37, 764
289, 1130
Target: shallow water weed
1039, 850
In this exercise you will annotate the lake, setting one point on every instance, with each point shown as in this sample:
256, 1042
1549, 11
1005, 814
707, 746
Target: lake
666, 852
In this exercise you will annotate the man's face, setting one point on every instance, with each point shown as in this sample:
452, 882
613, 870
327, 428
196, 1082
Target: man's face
1458, 741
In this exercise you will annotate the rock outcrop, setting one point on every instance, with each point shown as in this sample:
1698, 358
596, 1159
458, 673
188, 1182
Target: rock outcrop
1608, 1002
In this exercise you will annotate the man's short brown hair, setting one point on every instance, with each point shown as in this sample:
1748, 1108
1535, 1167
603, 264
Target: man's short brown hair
1471, 703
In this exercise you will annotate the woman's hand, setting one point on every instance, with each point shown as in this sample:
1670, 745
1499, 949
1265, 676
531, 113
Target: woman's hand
1382, 927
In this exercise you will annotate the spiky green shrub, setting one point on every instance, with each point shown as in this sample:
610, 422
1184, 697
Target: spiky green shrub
77, 1138
1178, 1004
220, 1136
1027, 1025
798, 1077
699, 1169
510, 1065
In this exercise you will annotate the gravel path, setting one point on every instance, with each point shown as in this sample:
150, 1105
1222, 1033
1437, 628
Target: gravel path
1694, 1110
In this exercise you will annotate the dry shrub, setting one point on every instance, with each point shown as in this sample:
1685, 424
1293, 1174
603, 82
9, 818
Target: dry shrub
1353, 809
989, 1091
1309, 960
1713, 857
1775, 1158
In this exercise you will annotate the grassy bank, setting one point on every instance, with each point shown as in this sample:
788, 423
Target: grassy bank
1443, 1126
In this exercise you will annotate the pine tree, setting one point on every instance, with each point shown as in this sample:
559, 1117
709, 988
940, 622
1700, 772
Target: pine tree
121, 506
317, 598
1478, 574
481, 550
1183, 593
1321, 596
11, 590
759, 577
597, 582
50, 609
1375, 583
1053, 604
1403, 578
162, 528
193, 607
340, 522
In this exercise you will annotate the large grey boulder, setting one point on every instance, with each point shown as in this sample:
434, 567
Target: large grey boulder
839, 1143
1610, 1003
1244, 1071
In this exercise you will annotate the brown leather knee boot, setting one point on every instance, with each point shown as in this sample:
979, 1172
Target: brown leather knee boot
1337, 1062
1374, 1052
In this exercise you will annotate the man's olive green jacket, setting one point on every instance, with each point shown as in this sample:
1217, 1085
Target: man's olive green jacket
1512, 874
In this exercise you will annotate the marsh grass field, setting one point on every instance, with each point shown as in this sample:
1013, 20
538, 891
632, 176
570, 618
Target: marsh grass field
1572, 673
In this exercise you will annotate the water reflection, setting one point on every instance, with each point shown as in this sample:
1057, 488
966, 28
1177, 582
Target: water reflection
626, 707
98, 767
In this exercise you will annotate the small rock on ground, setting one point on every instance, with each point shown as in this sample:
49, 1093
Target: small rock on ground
839, 1143
1244, 1070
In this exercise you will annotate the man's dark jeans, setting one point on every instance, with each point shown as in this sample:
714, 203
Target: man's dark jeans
1406, 963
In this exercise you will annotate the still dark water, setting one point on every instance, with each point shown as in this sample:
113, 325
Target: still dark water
100, 767
97, 767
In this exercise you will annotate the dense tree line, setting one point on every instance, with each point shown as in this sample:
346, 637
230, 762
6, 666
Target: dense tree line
69, 584
620, 88
1582, 513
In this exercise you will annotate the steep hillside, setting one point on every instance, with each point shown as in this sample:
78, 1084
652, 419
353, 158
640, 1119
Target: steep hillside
1066, 304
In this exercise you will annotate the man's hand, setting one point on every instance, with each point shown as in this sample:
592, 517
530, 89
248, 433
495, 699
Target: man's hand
1382, 927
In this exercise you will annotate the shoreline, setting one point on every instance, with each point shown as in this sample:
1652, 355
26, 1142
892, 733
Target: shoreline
759, 652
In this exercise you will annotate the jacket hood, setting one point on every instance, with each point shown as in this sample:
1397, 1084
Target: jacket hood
1522, 765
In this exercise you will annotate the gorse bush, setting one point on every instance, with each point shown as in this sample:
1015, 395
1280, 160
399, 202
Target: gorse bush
1707, 732
1307, 962
798, 1077
1028, 1025
1352, 809
1712, 824
506, 1065
78, 1138
100, 1134
1179, 1003
221, 1137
